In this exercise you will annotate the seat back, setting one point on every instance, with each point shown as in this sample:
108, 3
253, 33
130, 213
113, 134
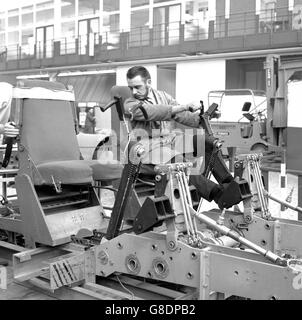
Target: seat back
47, 127
48, 132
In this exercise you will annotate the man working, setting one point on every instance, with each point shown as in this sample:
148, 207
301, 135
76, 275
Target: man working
6, 128
156, 113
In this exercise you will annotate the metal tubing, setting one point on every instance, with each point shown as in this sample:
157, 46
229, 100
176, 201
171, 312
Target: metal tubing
234, 235
183, 205
186, 205
298, 209
227, 241
190, 204
260, 190
266, 210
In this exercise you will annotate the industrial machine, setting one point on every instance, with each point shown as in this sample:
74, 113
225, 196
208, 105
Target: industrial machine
169, 247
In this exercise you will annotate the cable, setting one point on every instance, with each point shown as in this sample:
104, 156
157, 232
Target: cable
131, 293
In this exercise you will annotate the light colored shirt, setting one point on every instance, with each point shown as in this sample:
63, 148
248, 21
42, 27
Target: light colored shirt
159, 135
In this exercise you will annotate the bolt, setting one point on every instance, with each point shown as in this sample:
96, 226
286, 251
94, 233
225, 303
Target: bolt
190, 275
158, 178
171, 244
267, 227
248, 218
154, 247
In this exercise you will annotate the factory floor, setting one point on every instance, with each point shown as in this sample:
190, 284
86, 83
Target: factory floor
20, 291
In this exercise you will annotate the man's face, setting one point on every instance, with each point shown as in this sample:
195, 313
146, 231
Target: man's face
139, 87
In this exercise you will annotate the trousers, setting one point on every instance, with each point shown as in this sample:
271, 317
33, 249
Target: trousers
204, 186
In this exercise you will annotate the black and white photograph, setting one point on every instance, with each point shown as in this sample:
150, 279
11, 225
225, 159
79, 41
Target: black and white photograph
151, 150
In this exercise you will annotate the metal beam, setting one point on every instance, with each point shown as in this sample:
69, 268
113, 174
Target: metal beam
161, 61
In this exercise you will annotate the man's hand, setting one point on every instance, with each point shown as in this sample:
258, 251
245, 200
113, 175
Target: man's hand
193, 106
10, 130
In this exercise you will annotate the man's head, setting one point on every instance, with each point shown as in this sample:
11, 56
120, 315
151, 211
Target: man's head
139, 81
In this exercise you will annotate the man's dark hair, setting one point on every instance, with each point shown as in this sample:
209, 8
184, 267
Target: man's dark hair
138, 71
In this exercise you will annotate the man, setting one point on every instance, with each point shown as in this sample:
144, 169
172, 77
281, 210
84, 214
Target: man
7, 128
152, 111
90, 121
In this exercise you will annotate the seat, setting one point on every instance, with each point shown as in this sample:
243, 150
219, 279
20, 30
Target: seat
55, 189
49, 143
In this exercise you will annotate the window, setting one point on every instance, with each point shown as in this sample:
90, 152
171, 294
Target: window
45, 12
2, 21
45, 16
138, 3
45, 5
111, 5
196, 20
297, 17
27, 16
139, 34
68, 29
13, 18
13, 37
12, 48
67, 8
27, 36
2, 41
68, 44
88, 7
111, 28
267, 15
28, 42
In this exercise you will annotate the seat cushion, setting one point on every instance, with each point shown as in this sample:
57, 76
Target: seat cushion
67, 172
105, 171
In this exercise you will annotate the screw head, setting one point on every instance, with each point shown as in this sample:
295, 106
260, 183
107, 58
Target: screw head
172, 244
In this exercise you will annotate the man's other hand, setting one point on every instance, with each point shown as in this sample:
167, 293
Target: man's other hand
10, 130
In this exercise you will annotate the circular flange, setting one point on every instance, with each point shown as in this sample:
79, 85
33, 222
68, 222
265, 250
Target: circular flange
160, 268
103, 257
132, 264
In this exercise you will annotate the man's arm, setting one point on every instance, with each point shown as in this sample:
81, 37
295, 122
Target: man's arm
181, 113
162, 112
188, 118
155, 112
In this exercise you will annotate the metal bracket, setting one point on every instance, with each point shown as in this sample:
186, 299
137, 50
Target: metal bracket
204, 287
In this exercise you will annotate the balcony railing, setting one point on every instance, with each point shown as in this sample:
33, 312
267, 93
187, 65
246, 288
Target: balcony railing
161, 35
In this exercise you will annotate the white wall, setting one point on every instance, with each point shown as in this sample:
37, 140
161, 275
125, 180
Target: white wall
194, 80
294, 104
166, 79
122, 71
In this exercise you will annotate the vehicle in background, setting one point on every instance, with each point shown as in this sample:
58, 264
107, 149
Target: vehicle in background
240, 121
97, 146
